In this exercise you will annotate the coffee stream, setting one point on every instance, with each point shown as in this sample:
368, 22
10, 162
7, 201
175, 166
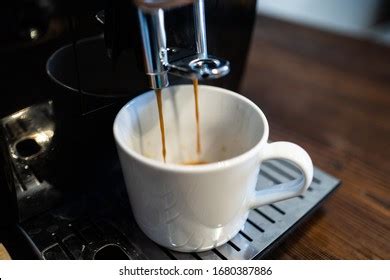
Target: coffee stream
196, 94
161, 117
162, 127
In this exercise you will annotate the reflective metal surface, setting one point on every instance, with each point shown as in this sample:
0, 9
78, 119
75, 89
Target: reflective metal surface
195, 66
200, 68
154, 43
200, 28
28, 136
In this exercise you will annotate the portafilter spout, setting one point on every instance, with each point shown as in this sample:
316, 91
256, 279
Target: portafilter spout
197, 66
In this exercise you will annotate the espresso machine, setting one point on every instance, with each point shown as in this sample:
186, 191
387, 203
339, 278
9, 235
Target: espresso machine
67, 67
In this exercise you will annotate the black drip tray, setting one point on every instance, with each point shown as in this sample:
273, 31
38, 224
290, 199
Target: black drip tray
111, 252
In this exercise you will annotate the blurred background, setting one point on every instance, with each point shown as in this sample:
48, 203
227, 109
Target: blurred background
361, 18
320, 70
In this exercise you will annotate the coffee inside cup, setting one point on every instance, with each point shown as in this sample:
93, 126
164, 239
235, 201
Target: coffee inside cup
195, 163
158, 93
227, 127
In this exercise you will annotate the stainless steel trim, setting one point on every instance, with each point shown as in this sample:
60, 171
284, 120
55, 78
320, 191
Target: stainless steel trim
200, 28
154, 46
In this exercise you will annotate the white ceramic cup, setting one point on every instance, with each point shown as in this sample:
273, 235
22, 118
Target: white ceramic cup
197, 207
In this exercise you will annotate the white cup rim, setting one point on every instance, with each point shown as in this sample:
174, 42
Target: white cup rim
214, 166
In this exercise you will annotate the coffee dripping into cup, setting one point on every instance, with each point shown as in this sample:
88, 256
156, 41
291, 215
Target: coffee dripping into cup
199, 65
180, 205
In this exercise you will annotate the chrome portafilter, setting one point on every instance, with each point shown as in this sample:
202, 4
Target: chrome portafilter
197, 66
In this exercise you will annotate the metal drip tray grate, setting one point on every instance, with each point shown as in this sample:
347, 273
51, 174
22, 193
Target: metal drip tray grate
50, 234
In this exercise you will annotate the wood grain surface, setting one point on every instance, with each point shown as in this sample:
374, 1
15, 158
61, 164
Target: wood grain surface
331, 95
3, 253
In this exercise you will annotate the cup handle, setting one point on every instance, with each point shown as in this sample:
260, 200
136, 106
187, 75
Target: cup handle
295, 154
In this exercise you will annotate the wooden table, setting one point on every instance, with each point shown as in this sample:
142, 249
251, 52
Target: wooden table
331, 95
3, 253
